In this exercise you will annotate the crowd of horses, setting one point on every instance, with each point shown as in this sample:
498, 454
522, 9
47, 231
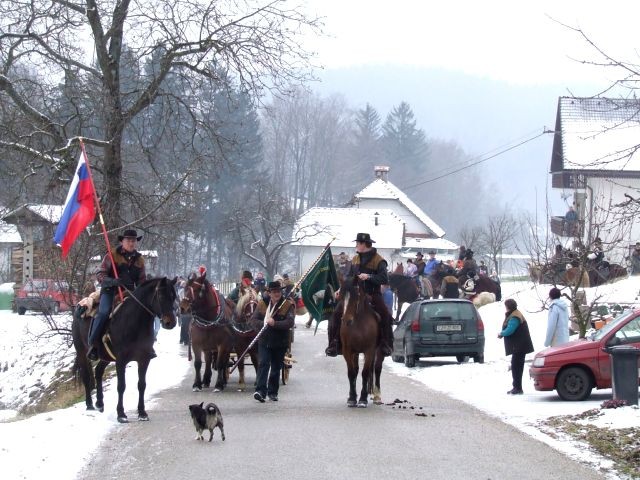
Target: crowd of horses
219, 327
582, 275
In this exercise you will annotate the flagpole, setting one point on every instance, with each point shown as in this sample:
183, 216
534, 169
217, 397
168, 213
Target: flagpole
264, 327
104, 228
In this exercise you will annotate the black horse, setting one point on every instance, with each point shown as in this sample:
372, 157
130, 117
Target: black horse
405, 289
131, 339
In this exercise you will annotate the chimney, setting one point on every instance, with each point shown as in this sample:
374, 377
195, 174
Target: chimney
381, 172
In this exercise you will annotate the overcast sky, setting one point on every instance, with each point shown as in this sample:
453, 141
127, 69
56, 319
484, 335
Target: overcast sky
518, 42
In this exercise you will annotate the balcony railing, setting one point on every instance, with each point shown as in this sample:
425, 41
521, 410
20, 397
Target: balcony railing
562, 228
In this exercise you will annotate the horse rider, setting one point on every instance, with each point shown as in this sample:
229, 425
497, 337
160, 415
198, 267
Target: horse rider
449, 287
245, 281
420, 265
129, 264
279, 317
371, 268
469, 267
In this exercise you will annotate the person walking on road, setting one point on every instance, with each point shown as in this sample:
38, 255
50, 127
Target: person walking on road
517, 342
279, 316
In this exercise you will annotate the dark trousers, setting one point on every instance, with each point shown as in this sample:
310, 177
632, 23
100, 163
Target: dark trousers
377, 302
185, 322
100, 320
270, 363
517, 369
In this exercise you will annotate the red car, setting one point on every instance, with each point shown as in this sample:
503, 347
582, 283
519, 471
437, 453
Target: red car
46, 295
575, 368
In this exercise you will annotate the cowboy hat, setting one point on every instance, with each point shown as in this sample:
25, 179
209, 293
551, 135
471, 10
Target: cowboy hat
364, 237
129, 234
275, 285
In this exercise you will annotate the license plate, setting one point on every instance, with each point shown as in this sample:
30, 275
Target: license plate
449, 328
33, 294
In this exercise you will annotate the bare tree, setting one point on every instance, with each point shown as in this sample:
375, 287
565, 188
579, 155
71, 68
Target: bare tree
258, 42
470, 236
497, 237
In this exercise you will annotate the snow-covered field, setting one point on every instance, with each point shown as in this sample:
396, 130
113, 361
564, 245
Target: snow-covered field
31, 448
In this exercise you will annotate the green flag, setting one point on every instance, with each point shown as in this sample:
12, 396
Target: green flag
319, 287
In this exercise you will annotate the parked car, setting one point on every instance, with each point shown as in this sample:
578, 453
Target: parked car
45, 295
575, 368
437, 328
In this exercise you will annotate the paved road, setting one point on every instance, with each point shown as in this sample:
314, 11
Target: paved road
311, 434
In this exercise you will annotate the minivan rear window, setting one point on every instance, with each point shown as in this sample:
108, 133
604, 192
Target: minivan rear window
448, 311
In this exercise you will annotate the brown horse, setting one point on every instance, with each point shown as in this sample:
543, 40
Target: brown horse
471, 287
243, 332
131, 336
359, 333
210, 331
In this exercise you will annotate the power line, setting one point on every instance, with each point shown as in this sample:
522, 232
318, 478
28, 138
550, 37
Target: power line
473, 164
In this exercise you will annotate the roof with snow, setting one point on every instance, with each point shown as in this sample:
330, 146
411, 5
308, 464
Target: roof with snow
9, 233
34, 213
383, 189
319, 225
597, 135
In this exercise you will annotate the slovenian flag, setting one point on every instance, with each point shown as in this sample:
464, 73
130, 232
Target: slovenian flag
79, 209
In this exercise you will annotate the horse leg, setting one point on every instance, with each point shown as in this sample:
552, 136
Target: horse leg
377, 397
84, 372
352, 373
99, 373
208, 372
197, 364
122, 384
222, 364
241, 385
367, 372
142, 385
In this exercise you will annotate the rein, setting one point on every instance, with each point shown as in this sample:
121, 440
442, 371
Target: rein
131, 295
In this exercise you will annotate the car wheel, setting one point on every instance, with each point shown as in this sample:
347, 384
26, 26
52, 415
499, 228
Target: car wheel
574, 384
397, 358
56, 309
478, 358
462, 358
21, 310
409, 360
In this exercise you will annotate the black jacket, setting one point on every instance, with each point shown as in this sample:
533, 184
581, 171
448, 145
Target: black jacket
278, 335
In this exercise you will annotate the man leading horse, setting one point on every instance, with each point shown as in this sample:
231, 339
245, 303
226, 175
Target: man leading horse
371, 268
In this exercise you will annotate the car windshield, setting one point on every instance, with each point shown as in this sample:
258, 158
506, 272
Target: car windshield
448, 311
599, 334
35, 286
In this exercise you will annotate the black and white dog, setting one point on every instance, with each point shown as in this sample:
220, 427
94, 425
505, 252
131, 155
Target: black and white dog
206, 418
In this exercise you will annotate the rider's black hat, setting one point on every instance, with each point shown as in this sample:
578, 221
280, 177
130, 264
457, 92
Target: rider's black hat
275, 286
129, 234
364, 237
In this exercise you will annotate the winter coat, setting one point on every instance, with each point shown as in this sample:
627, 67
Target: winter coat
373, 264
515, 332
449, 287
276, 336
557, 324
130, 267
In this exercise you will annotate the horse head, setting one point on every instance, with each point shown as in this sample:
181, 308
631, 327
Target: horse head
247, 303
158, 296
353, 299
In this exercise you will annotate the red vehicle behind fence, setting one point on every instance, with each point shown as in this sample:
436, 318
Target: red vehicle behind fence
45, 295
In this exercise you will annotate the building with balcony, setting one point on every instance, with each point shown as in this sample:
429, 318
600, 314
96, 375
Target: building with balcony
595, 164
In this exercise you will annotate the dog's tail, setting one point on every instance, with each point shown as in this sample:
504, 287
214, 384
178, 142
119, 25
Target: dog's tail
212, 409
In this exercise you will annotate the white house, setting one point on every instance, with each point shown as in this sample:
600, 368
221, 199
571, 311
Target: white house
596, 164
399, 227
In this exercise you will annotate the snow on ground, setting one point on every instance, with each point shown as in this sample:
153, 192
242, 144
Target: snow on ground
30, 448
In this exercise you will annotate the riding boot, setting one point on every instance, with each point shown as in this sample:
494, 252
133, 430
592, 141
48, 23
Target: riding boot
334, 349
92, 353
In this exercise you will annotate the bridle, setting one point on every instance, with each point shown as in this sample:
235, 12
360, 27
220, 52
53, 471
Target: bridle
190, 297
155, 296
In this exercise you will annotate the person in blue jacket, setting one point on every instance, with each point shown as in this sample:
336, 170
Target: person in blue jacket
517, 342
557, 321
